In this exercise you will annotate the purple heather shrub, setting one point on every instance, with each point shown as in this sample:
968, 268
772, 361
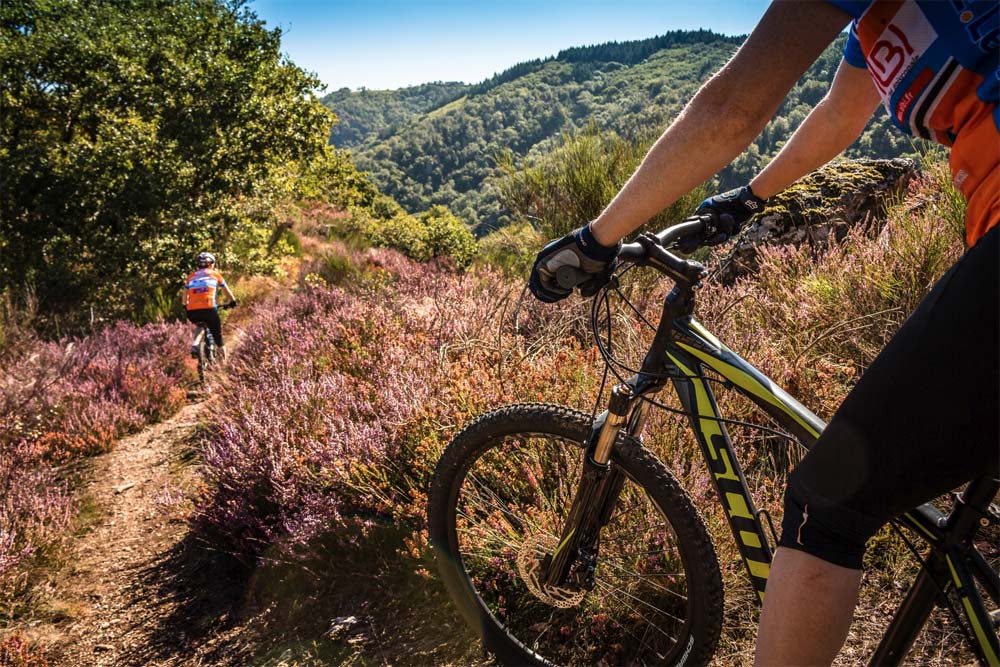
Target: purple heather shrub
34, 507
335, 394
72, 398
77, 396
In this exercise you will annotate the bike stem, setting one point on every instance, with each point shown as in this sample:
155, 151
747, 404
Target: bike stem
595, 489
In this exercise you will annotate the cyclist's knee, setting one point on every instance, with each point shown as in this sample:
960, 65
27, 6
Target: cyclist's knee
825, 528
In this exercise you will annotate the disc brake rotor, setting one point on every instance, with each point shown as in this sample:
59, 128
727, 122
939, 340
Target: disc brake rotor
529, 566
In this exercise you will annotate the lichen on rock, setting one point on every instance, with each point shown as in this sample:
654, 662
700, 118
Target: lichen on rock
828, 201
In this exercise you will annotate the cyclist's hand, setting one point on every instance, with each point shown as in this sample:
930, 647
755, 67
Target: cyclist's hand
729, 211
578, 250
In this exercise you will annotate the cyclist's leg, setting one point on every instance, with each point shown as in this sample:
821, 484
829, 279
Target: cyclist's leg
215, 326
813, 596
195, 317
922, 420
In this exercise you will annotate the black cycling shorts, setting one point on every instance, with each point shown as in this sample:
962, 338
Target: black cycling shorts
209, 317
922, 420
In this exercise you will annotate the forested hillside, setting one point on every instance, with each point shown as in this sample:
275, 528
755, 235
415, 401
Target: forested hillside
377, 113
448, 154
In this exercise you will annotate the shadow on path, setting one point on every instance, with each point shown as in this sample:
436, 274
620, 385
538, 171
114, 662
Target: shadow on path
192, 598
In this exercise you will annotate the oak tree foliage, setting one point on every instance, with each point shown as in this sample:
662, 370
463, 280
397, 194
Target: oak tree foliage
135, 133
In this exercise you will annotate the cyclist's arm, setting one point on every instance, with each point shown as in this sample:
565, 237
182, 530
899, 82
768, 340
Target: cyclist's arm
225, 290
726, 114
831, 127
184, 295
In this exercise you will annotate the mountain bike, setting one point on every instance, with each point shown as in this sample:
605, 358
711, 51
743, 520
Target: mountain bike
203, 347
563, 540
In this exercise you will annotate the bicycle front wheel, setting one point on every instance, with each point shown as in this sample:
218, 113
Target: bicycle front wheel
499, 500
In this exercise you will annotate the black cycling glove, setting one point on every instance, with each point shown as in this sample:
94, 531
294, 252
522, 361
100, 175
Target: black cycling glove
579, 250
729, 211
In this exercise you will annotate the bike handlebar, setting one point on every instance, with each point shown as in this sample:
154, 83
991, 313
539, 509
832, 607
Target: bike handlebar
693, 227
227, 306
651, 250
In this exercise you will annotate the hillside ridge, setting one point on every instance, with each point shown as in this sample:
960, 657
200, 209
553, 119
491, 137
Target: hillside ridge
440, 153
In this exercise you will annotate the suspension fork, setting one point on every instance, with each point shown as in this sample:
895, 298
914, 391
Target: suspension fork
608, 499
597, 492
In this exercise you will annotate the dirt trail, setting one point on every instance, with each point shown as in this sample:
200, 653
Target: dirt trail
136, 588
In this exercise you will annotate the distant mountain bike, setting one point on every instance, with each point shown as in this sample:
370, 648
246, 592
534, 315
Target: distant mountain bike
563, 540
203, 348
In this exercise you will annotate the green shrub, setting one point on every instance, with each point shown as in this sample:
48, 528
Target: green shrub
158, 304
511, 249
253, 248
444, 235
403, 233
434, 233
572, 184
336, 267
290, 240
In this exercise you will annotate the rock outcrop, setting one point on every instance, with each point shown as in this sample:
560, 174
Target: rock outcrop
827, 202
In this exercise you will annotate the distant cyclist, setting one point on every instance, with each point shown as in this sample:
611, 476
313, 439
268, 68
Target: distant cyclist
200, 291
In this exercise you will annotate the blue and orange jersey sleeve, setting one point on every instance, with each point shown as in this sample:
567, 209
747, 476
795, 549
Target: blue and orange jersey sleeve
853, 7
853, 54
852, 49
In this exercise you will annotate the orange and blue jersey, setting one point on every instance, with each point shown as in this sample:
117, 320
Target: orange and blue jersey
936, 65
202, 286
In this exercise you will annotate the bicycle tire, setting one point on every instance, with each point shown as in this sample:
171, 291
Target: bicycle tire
500, 605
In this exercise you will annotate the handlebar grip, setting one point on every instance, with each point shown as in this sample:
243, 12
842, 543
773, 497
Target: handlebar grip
693, 226
569, 277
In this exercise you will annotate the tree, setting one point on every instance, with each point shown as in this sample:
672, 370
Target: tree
134, 133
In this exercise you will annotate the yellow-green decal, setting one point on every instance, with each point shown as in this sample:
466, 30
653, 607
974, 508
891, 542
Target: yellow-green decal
560, 547
916, 522
745, 381
709, 427
735, 503
706, 334
977, 627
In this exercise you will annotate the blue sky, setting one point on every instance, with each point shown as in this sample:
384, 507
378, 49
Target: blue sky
394, 43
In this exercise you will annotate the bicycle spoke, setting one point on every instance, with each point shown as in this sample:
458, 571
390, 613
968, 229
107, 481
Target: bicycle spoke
613, 590
497, 504
649, 623
654, 585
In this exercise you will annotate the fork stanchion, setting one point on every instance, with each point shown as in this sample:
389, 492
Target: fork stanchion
621, 398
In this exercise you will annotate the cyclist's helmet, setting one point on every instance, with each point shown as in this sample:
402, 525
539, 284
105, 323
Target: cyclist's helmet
205, 260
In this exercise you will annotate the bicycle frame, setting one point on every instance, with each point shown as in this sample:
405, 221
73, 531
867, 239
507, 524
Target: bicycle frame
682, 350
951, 560
689, 351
